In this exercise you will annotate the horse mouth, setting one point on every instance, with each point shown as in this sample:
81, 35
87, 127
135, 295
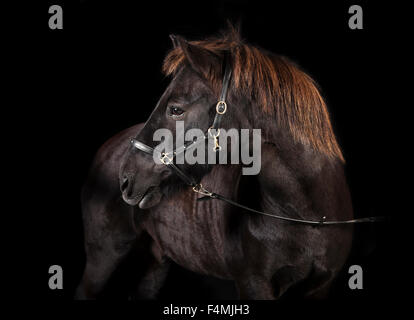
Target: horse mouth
145, 200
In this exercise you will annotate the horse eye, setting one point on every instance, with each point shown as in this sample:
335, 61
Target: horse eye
176, 111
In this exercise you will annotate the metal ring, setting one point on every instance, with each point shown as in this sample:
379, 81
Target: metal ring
165, 155
200, 189
213, 136
197, 187
221, 102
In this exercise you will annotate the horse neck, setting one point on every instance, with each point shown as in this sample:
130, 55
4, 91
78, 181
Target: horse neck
294, 174
223, 179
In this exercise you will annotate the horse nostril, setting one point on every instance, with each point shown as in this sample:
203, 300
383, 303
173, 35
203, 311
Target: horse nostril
124, 184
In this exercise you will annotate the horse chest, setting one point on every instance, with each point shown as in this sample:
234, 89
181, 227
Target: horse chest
192, 237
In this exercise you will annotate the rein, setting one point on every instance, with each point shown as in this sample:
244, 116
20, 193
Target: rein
167, 159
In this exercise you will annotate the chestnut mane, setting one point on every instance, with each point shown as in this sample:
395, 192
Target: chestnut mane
277, 85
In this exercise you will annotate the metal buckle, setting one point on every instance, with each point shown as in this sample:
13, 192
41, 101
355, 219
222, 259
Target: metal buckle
216, 147
166, 156
221, 103
201, 190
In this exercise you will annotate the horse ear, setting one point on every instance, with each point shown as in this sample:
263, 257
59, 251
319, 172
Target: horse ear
174, 41
201, 60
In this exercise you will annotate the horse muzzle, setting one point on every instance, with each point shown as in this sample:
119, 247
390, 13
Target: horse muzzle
145, 199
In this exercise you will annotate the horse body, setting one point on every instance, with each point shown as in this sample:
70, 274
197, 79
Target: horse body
212, 237
264, 256
195, 234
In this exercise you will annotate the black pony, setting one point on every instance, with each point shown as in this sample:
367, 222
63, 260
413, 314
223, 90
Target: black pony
301, 169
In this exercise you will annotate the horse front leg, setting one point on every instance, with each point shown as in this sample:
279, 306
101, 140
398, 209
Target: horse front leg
153, 280
255, 287
102, 260
108, 239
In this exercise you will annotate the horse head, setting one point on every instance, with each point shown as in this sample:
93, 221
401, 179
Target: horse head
191, 98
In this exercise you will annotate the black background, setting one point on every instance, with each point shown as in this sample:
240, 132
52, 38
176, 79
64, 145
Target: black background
101, 74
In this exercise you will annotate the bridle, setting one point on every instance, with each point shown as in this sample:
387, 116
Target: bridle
167, 158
